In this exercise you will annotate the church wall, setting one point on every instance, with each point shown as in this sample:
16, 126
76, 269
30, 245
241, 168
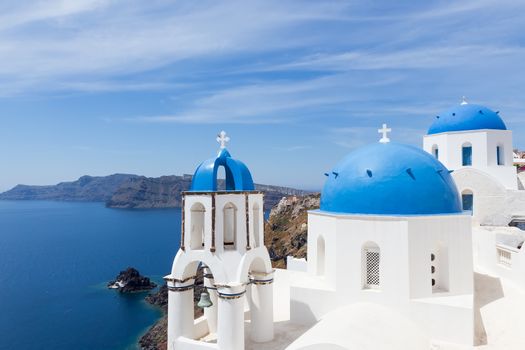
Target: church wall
449, 238
484, 155
490, 196
488, 240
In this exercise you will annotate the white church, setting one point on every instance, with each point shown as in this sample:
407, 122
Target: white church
410, 249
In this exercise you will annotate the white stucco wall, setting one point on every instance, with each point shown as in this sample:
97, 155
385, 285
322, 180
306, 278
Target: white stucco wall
494, 205
484, 152
487, 241
406, 244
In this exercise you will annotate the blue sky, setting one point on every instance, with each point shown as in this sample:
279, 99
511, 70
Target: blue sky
100, 86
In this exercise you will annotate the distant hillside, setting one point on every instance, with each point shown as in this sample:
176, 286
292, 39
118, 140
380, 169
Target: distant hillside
165, 192
128, 191
86, 189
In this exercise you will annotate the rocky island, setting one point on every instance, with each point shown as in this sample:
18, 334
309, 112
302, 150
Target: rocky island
130, 280
129, 191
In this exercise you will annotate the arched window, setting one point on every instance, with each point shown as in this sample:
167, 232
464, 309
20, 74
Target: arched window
221, 178
435, 151
466, 153
256, 217
467, 199
320, 256
230, 224
371, 259
439, 268
197, 213
500, 156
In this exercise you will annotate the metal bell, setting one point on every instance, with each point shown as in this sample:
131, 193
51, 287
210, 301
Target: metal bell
205, 300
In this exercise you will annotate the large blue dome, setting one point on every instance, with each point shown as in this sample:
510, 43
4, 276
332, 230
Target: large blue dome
238, 177
467, 117
390, 179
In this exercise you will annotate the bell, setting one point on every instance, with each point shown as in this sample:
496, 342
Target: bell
205, 300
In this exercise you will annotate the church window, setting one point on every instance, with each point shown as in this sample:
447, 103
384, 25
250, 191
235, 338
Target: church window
435, 151
371, 265
197, 214
467, 199
439, 268
467, 154
230, 224
499, 155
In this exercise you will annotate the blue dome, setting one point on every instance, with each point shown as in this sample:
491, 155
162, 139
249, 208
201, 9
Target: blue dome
390, 179
238, 177
467, 117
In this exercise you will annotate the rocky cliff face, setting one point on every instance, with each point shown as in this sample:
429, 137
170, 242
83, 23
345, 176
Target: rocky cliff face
129, 191
165, 192
285, 234
86, 188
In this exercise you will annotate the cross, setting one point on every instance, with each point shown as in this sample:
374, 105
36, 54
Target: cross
464, 101
222, 139
385, 132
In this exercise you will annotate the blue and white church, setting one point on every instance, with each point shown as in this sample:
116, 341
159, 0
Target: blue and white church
396, 255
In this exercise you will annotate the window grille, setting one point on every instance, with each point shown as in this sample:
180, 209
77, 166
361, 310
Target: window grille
504, 257
372, 268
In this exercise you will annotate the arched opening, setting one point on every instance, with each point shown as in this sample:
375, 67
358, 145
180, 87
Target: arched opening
193, 305
435, 151
197, 215
230, 225
371, 263
439, 268
320, 256
466, 154
260, 300
500, 155
467, 200
221, 178
256, 227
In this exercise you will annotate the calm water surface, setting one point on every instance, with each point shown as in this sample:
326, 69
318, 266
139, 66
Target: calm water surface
55, 260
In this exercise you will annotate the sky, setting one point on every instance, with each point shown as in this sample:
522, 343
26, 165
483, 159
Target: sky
107, 86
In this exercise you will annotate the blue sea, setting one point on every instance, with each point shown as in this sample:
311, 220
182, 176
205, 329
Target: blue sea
55, 261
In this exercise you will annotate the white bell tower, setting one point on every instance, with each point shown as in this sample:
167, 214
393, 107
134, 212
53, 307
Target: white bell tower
223, 233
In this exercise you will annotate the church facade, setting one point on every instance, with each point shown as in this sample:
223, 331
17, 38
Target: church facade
391, 251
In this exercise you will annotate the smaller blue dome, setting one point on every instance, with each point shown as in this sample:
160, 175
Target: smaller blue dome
390, 179
467, 117
238, 177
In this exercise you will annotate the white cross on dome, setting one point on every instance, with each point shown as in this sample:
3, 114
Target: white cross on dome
223, 139
384, 130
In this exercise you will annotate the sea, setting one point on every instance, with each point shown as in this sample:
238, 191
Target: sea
55, 261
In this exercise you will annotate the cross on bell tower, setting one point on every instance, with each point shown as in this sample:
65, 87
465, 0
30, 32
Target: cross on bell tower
223, 139
384, 130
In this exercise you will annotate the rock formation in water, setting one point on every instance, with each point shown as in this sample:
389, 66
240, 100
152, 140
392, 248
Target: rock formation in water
85, 189
130, 280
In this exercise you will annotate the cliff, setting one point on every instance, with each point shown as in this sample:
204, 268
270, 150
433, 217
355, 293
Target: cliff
128, 191
86, 188
285, 234
165, 192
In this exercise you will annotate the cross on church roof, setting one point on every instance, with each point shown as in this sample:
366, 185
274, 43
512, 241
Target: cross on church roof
385, 132
223, 139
